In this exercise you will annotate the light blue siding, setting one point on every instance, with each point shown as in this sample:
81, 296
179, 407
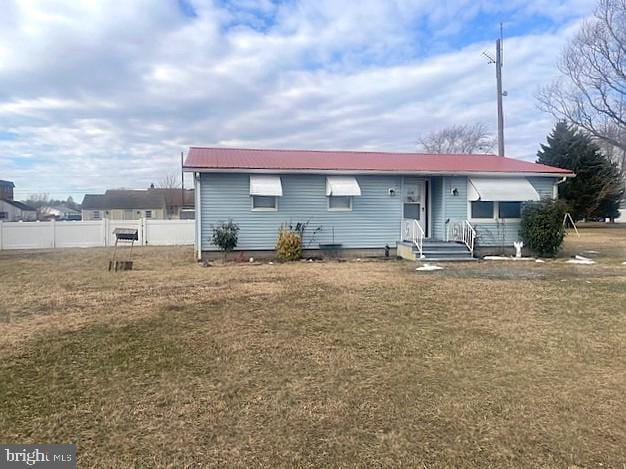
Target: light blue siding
506, 232
497, 233
543, 185
455, 205
374, 221
445, 205
436, 208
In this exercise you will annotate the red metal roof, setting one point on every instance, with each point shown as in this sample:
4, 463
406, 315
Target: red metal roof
233, 159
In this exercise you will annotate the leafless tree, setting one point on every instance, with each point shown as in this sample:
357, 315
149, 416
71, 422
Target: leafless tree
169, 181
38, 199
459, 138
592, 92
615, 153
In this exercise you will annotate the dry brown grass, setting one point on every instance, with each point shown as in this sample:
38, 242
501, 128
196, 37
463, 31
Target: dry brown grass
317, 364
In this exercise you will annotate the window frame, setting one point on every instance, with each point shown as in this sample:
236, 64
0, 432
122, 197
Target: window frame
511, 218
493, 211
96, 214
339, 209
495, 216
264, 209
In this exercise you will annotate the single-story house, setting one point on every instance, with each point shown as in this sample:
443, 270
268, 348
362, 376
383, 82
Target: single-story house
430, 205
179, 203
12, 210
122, 204
59, 213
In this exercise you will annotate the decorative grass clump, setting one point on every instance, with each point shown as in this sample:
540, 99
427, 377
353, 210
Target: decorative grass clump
288, 245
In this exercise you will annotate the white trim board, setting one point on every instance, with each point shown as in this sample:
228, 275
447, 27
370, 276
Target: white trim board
372, 172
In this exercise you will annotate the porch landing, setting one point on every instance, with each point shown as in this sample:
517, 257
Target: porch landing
440, 251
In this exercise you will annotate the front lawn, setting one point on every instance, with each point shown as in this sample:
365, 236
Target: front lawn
317, 364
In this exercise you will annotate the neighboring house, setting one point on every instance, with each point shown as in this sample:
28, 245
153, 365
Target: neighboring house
6, 190
179, 204
59, 213
365, 200
123, 205
12, 210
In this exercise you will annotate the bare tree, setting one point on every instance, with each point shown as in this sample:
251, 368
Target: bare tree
615, 153
592, 92
169, 181
38, 199
459, 138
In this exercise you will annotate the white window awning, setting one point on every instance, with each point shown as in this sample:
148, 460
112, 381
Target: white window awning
266, 185
501, 189
342, 186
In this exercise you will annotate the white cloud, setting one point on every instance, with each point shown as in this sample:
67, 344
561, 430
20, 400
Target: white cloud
107, 94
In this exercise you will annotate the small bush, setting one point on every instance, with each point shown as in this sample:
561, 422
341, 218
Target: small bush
542, 227
225, 236
288, 245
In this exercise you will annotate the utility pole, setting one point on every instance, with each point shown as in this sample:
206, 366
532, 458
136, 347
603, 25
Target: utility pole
500, 95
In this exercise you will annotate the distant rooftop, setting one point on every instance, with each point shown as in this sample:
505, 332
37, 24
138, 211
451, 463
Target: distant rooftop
173, 195
19, 205
124, 199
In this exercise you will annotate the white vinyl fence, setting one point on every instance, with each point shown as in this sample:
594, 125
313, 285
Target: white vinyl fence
86, 234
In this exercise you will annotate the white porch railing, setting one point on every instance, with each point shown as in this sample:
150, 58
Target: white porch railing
462, 231
413, 231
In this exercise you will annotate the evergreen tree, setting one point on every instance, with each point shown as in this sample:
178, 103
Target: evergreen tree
70, 203
596, 190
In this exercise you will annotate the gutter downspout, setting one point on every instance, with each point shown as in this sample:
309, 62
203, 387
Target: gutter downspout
197, 181
555, 187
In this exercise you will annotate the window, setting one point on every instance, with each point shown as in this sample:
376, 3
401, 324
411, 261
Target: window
509, 210
95, 214
264, 192
128, 215
412, 211
148, 213
4, 215
482, 209
487, 210
339, 202
340, 190
264, 202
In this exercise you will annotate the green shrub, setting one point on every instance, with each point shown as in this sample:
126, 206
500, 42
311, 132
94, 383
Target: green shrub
225, 236
288, 244
542, 227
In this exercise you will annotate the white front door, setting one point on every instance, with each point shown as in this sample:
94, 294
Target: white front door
414, 202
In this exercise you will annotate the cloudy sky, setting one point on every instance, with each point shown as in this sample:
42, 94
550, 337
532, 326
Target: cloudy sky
105, 94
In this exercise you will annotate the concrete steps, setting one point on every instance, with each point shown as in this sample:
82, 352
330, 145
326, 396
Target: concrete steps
443, 251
